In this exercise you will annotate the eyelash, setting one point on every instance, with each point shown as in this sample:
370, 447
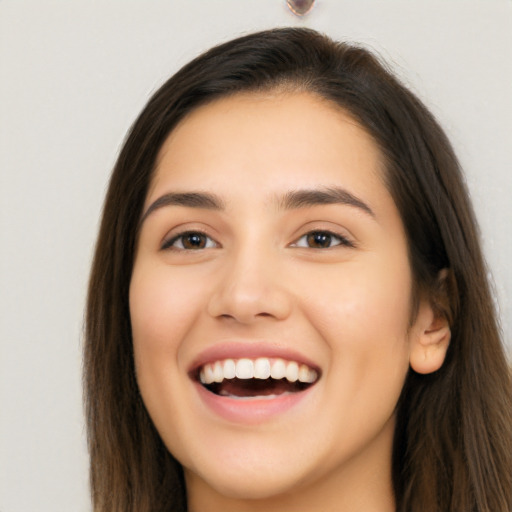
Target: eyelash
341, 240
171, 243
210, 243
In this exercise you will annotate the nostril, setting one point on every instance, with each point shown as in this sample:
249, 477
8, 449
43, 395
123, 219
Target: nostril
246, 309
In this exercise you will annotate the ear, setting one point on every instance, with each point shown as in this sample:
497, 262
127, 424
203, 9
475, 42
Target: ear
430, 337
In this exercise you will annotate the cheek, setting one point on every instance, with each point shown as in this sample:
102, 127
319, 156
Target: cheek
360, 299
162, 307
362, 314
163, 310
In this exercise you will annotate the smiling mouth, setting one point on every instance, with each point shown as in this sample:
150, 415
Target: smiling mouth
256, 378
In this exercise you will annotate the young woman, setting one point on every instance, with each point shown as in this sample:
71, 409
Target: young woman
288, 307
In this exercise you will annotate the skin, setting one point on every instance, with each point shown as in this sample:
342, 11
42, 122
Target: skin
346, 307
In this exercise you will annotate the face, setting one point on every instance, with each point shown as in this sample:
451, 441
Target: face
270, 298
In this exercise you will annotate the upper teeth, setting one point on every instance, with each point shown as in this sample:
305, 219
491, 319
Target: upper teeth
261, 368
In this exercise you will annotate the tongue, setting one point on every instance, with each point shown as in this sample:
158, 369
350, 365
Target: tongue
254, 387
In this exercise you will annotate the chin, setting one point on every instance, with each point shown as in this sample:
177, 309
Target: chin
249, 484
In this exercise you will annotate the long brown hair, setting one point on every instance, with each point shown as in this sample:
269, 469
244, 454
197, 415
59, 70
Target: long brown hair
453, 440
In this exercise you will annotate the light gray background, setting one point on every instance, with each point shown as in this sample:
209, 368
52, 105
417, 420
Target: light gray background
73, 76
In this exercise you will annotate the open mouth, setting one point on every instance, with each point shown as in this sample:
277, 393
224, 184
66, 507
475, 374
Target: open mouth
256, 378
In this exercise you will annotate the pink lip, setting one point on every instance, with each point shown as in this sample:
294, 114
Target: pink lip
241, 349
252, 411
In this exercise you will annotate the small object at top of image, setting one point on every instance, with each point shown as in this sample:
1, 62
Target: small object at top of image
300, 7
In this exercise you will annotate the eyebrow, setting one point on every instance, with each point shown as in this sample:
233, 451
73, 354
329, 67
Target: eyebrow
294, 199
202, 200
332, 195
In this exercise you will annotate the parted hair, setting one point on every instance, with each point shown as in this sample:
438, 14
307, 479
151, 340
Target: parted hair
453, 440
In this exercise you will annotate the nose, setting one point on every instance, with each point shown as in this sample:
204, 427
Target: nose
250, 287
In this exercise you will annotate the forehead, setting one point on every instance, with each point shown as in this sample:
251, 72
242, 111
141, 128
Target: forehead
267, 140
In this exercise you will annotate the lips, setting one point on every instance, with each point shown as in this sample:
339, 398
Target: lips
251, 381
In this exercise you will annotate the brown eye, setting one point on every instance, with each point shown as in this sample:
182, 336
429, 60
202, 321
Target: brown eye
194, 241
322, 240
319, 240
190, 241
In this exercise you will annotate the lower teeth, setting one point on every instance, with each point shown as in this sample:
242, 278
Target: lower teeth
255, 388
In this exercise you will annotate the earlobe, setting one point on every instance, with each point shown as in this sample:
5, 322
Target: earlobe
430, 338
